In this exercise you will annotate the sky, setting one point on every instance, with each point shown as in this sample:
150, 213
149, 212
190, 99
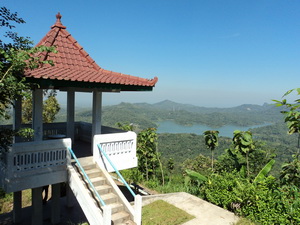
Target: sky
214, 53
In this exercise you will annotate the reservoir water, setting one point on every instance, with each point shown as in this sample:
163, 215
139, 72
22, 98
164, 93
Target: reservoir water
225, 131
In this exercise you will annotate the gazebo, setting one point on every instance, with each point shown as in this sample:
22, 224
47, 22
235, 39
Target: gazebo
45, 162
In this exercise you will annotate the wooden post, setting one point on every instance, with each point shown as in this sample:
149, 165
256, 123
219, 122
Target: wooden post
37, 120
37, 206
17, 210
55, 204
70, 114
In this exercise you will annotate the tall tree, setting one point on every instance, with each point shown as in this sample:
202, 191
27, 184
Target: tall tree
149, 158
290, 172
243, 143
291, 114
16, 56
211, 142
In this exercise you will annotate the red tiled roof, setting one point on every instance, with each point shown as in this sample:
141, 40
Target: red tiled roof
73, 63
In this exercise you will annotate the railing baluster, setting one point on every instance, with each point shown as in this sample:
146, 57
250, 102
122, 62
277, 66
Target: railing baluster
86, 176
116, 170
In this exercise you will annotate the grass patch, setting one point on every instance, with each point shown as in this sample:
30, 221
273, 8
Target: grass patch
161, 212
244, 221
6, 200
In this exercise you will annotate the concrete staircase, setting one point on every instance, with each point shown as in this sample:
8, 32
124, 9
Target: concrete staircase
107, 192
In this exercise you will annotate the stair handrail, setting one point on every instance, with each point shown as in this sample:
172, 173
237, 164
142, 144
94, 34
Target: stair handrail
86, 177
116, 170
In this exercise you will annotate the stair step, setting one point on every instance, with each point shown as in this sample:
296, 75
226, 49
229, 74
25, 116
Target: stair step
98, 181
93, 173
116, 207
103, 189
109, 198
120, 217
128, 222
89, 166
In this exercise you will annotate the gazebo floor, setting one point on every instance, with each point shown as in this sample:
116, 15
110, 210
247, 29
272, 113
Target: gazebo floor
82, 149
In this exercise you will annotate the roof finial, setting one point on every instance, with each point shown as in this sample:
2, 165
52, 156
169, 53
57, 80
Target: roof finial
58, 22
58, 16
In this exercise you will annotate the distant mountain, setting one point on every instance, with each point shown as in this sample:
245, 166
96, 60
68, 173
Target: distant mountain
172, 106
145, 115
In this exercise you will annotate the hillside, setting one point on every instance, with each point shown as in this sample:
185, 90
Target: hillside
145, 115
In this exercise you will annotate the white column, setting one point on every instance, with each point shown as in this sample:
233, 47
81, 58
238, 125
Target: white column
37, 120
138, 209
17, 196
70, 197
37, 206
55, 204
97, 108
17, 116
70, 114
106, 215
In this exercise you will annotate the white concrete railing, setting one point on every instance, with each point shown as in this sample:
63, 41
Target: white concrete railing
134, 212
29, 164
83, 130
120, 148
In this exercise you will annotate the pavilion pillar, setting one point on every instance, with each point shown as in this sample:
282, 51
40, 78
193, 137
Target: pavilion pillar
17, 116
97, 108
17, 196
37, 206
55, 204
37, 120
17, 207
70, 114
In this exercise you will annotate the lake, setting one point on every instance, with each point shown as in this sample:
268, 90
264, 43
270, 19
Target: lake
225, 131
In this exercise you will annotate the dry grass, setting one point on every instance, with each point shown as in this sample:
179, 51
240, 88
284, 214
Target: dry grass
161, 212
6, 202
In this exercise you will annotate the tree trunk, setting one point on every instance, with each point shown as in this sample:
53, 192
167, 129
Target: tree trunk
247, 160
146, 165
212, 160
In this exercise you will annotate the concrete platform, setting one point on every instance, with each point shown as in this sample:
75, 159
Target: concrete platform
205, 213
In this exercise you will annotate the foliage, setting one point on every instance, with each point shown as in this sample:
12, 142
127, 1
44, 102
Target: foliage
50, 107
16, 56
243, 143
200, 164
132, 175
196, 176
263, 173
126, 127
211, 141
7, 135
290, 173
148, 156
292, 114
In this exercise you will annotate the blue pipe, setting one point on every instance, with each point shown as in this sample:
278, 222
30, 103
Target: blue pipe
116, 170
86, 176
